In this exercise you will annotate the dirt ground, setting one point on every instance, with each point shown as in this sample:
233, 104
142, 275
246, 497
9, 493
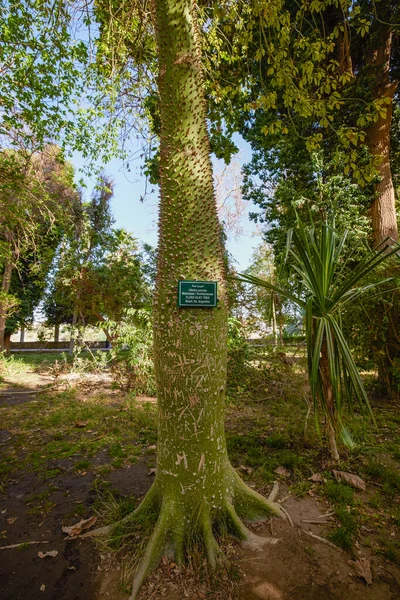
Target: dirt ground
297, 567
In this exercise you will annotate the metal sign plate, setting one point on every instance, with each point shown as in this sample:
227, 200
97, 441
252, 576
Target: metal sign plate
197, 293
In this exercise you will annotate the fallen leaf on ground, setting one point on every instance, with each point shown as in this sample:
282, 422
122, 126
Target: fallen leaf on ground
362, 567
52, 553
349, 478
152, 472
316, 477
76, 529
42, 587
246, 469
81, 423
282, 471
153, 447
11, 520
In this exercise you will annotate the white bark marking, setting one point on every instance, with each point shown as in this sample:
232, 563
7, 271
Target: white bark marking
201, 463
169, 473
180, 458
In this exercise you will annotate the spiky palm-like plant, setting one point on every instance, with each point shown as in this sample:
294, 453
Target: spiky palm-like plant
328, 287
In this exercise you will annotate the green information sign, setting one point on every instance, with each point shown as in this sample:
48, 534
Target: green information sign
197, 293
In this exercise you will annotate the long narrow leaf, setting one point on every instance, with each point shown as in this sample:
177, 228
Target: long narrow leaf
316, 355
269, 286
351, 366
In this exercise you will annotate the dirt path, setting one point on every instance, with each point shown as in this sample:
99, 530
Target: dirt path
21, 388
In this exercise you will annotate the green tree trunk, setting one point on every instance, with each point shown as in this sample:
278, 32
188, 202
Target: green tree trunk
196, 489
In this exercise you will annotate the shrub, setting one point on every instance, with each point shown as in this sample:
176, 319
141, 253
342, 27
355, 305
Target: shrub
238, 353
132, 353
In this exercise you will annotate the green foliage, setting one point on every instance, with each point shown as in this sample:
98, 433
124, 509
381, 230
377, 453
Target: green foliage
9, 304
304, 71
38, 200
51, 87
283, 181
238, 354
339, 493
97, 274
388, 476
132, 353
41, 73
327, 288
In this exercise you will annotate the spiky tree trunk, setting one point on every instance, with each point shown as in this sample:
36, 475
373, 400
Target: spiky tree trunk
196, 489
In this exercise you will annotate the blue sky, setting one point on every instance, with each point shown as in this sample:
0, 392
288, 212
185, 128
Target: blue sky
140, 218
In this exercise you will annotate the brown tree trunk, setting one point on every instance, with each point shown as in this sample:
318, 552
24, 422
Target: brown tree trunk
57, 332
383, 208
72, 337
7, 341
329, 402
5, 287
22, 334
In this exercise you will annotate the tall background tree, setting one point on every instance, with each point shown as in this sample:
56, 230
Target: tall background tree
37, 199
97, 273
316, 84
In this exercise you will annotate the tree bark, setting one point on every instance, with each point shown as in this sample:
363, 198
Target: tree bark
383, 208
195, 487
274, 330
72, 336
329, 402
22, 334
5, 288
57, 332
7, 341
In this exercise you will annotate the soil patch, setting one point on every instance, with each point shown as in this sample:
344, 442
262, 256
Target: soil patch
302, 568
22, 387
31, 510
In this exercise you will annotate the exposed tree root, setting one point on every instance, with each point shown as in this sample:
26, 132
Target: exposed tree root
22, 544
289, 518
320, 539
173, 533
210, 543
252, 506
177, 524
274, 492
154, 551
249, 539
147, 506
